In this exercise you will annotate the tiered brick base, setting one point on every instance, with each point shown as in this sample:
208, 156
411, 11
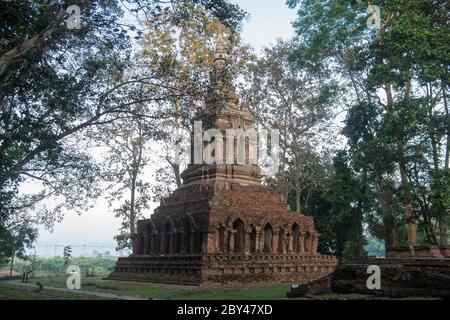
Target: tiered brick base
221, 232
223, 269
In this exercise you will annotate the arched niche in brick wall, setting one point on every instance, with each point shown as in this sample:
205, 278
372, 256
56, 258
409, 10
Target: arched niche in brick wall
268, 238
239, 236
221, 238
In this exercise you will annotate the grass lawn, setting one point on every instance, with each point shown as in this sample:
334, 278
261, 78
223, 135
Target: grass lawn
162, 291
14, 292
158, 291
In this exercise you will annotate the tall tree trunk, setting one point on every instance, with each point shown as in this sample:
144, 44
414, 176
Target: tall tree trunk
359, 251
298, 193
388, 217
283, 186
443, 229
133, 236
12, 264
138, 148
443, 219
432, 130
430, 232
132, 206
359, 215
176, 163
409, 213
36, 42
176, 172
447, 151
360, 245
428, 228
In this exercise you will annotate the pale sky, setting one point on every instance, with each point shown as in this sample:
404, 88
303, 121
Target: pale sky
269, 20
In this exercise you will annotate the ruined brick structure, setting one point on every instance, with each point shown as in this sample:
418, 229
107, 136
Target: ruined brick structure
428, 251
222, 225
399, 277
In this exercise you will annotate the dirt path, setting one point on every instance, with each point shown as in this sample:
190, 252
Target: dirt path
85, 292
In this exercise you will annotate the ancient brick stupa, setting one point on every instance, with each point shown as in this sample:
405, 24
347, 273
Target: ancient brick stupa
222, 225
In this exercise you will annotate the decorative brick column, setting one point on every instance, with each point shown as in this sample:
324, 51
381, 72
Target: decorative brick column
217, 241
261, 241
206, 238
307, 242
283, 243
315, 242
171, 242
231, 234
276, 241
258, 240
211, 239
290, 242
226, 241
247, 242
301, 242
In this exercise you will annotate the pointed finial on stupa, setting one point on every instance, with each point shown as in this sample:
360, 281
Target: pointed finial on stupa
220, 44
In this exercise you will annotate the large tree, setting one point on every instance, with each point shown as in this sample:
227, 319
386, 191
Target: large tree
128, 145
284, 96
397, 80
57, 82
182, 53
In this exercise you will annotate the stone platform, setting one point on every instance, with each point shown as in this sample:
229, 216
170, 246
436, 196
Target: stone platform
223, 269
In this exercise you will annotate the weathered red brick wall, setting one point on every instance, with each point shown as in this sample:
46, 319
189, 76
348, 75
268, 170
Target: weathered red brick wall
207, 210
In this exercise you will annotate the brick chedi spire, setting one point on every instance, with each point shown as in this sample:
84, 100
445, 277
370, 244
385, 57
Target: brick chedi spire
223, 111
220, 54
221, 95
